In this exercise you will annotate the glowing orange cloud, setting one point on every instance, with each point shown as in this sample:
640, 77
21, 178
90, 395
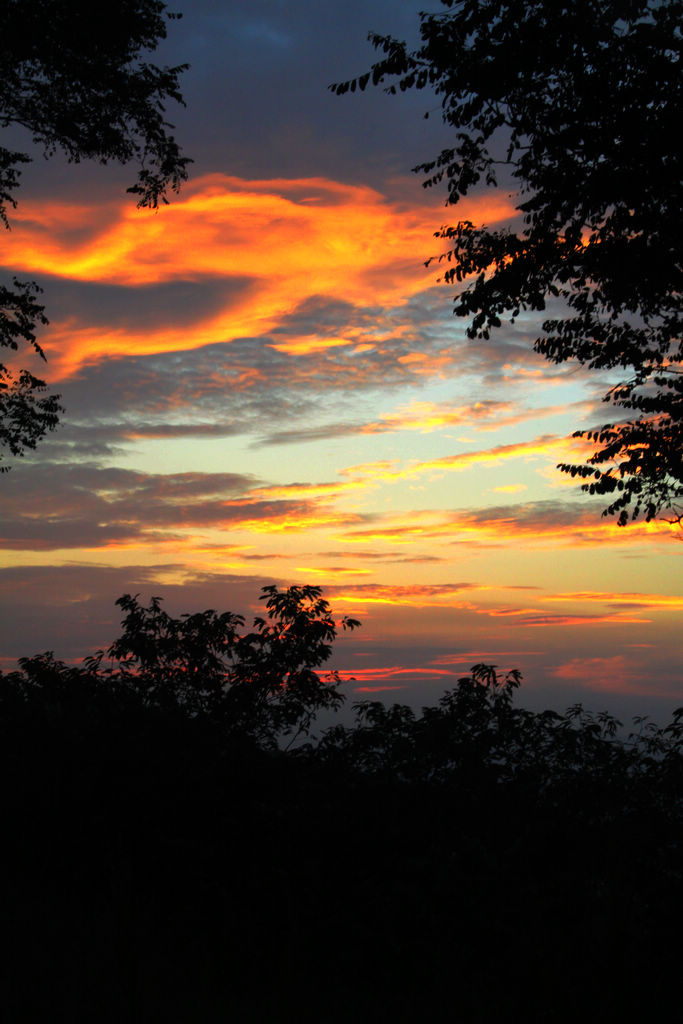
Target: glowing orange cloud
292, 522
371, 469
444, 595
532, 413
363, 674
426, 416
378, 675
291, 491
331, 573
672, 601
371, 474
429, 416
542, 446
467, 657
546, 445
481, 416
415, 595
499, 527
546, 620
282, 241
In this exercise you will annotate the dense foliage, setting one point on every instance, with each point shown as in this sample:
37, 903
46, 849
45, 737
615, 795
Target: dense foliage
170, 855
575, 106
81, 84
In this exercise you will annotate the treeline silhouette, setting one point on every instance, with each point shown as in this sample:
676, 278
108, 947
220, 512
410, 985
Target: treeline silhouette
177, 846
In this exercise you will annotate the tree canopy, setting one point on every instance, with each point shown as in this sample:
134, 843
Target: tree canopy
261, 683
577, 107
168, 854
80, 84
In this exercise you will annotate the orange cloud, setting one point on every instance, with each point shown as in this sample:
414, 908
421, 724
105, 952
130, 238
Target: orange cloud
417, 595
321, 490
445, 596
544, 446
372, 469
537, 523
386, 672
535, 413
632, 600
291, 521
429, 416
469, 657
331, 573
378, 675
281, 240
547, 619
540, 446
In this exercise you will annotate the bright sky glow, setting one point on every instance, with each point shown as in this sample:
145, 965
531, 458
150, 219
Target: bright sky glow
264, 383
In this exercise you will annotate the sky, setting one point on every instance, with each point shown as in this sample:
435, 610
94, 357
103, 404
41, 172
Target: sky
264, 383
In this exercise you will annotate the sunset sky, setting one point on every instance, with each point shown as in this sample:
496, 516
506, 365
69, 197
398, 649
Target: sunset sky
264, 383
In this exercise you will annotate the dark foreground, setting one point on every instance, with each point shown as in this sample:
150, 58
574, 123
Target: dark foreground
475, 863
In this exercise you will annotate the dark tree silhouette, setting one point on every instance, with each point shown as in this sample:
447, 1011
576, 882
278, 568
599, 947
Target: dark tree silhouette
164, 857
262, 683
578, 106
81, 84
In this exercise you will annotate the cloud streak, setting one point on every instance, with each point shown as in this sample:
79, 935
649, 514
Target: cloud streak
426, 417
93, 507
538, 523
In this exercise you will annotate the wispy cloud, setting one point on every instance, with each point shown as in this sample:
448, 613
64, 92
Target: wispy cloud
544, 447
613, 674
538, 523
71, 506
623, 600
426, 417
410, 595
420, 416
536, 618
481, 599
